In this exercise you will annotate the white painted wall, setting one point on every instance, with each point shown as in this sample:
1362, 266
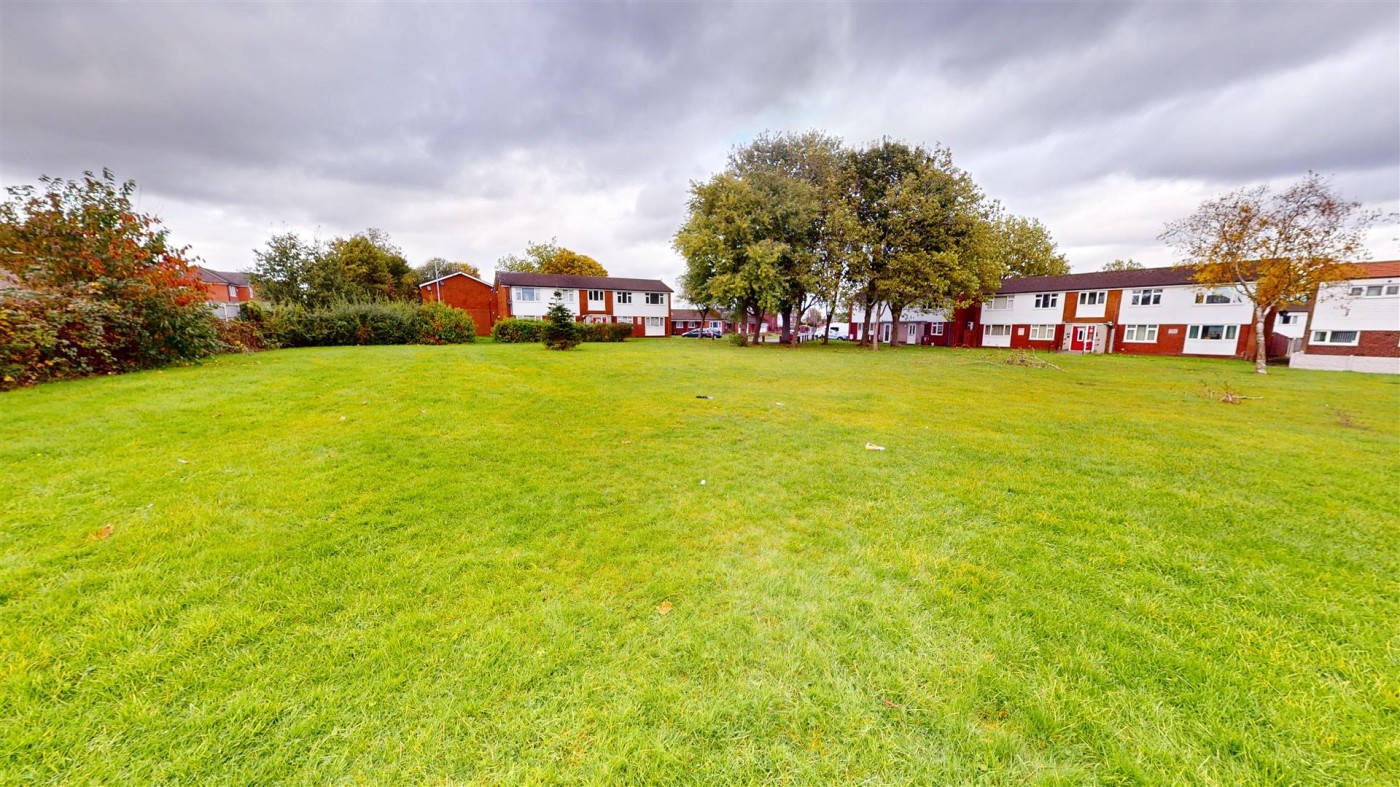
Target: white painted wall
640, 308
1294, 330
1336, 310
1179, 307
1345, 363
538, 308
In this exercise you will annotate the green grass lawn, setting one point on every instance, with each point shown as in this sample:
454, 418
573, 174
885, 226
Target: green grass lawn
447, 564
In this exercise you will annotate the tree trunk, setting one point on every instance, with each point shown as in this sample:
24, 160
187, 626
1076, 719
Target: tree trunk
894, 325
830, 312
875, 330
786, 330
865, 323
1261, 353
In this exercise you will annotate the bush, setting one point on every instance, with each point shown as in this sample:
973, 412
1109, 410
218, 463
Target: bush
604, 331
738, 338
517, 331
240, 336
45, 336
439, 323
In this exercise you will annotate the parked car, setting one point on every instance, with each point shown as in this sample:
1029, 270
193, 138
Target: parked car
703, 333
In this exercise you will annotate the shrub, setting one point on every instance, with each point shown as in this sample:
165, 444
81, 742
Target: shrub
47, 336
517, 331
240, 336
738, 338
604, 331
439, 323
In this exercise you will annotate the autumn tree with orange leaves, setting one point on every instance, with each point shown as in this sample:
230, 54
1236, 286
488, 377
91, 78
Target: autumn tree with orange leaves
1274, 248
96, 285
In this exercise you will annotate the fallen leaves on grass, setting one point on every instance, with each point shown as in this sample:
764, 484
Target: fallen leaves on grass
665, 608
102, 533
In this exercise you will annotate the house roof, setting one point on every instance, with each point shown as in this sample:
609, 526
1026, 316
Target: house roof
1098, 280
238, 278
694, 314
448, 276
1380, 270
580, 282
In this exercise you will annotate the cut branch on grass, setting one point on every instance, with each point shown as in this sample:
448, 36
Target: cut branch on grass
1020, 358
1226, 395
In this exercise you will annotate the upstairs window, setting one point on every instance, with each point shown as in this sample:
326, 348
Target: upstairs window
1093, 298
1375, 290
527, 294
1000, 302
1211, 297
622, 297
1290, 318
1047, 300
655, 298
1147, 297
595, 296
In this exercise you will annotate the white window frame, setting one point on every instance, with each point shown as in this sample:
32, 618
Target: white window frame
1148, 297
1198, 333
1140, 334
1093, 298
656, 298
936, 329
1005, 301
526, 294
1047, 300
622, 297
655, 322
592, 293
991, 329
1326, 338
1042, 333
1381, 290
1223, 297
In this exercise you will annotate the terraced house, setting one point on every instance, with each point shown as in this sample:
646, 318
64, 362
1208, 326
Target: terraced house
644, 303
1158, 311
1355, 325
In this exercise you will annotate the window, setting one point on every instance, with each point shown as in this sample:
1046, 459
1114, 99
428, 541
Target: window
595, 296
1290, 318
233, 291
1047, 300
1217, 296
1336, 337
1043, 332
654, 322
1212, 332
1147, 297
996, 330
655, 298
1375, 290
622, 297
527, 294
1000, 302
936, 329
1140, 333
1093, 298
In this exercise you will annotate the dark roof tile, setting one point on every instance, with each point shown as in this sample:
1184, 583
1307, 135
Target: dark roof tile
580, 282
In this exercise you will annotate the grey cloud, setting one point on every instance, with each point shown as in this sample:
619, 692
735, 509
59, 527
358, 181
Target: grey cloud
333, 114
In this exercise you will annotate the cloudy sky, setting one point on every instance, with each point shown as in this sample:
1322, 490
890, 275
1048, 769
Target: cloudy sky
466, 130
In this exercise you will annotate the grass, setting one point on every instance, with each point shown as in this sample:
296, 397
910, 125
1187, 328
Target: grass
449, 564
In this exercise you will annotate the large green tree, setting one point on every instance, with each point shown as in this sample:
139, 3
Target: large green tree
437, 267
366, 266
551, 258
1027, 249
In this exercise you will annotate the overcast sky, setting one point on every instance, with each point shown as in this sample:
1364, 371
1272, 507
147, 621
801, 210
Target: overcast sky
466, 130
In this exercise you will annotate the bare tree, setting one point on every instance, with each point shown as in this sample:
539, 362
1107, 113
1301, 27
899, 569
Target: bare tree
1273, 248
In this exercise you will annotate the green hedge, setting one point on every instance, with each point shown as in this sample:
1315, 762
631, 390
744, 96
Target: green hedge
345, 324
58, 335
517, 331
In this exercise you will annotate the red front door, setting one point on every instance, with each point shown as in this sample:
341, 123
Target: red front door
1082, 339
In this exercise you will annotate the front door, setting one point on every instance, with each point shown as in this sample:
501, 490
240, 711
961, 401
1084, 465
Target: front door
1082, 340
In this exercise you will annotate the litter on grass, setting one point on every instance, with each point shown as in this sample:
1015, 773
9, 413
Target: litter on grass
665, 608
873, 447
702, 396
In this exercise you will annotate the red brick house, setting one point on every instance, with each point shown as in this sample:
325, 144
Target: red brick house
225, 291
645, 304
465, 292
